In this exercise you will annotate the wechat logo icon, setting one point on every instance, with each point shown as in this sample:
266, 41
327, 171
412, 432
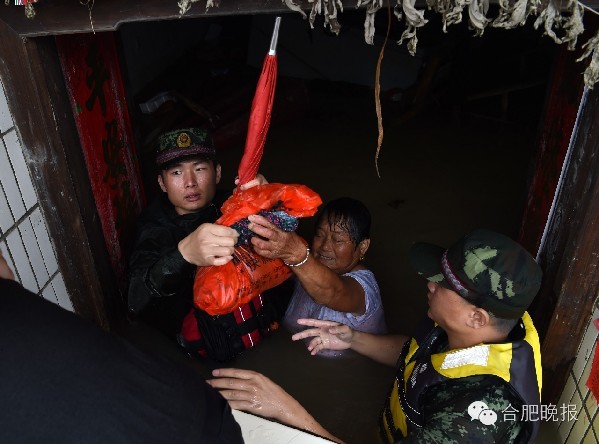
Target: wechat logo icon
480, 411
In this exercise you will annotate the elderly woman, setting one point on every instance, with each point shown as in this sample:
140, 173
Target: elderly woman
332, 282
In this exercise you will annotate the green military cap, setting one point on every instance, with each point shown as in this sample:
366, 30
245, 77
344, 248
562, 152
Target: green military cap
181, 143
488, 269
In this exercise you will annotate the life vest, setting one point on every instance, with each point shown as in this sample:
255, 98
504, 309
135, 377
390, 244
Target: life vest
223, 337
518, 363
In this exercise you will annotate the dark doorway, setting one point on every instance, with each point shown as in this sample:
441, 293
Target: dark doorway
460, 120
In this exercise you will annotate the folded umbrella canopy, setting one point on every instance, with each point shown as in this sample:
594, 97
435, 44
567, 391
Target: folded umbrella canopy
260, 113
220, 290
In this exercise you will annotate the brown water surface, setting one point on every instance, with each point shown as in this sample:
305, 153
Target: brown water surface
440, 178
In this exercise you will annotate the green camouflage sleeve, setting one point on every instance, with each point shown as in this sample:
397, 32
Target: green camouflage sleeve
477, 409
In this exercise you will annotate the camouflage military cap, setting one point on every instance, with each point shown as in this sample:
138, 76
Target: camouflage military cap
181, 143
488, 269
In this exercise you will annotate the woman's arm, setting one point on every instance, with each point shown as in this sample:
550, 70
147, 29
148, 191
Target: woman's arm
335, 336
381, 348
341, 293
255, 393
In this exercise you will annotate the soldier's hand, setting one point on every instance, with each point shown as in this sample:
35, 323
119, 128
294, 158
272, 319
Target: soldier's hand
209, 244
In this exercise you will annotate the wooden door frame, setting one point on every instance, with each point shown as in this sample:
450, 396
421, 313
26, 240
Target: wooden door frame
36, 95
108, 15
570, 257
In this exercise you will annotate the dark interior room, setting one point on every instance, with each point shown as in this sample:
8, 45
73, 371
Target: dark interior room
460, 121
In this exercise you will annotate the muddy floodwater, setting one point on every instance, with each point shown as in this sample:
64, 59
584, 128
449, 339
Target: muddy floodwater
439, 178
344, 394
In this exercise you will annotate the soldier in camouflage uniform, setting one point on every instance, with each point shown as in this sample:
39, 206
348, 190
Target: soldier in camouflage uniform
472, 371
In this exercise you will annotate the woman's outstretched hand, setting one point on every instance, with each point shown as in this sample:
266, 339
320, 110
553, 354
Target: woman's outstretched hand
252, 392
255, 393
325, 335
274, 243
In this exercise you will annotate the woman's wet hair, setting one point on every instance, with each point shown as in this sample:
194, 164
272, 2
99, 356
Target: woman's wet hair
350, 215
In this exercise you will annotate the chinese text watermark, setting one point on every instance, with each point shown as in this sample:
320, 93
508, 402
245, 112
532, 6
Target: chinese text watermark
478, 410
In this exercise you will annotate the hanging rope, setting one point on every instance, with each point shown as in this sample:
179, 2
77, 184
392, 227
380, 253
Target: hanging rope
377, 92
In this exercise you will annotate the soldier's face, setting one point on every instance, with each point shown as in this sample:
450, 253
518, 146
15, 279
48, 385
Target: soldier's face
190, 185
447, 308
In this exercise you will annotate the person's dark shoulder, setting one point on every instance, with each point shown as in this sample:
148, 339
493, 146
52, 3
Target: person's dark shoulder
114, 388
483, 407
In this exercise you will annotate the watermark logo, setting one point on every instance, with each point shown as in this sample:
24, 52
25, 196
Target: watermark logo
543, 412
480, 411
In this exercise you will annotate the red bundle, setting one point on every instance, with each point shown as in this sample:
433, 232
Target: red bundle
220, 290
295, 200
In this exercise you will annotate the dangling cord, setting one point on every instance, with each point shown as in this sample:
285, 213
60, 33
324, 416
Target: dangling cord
377, 92
90, 6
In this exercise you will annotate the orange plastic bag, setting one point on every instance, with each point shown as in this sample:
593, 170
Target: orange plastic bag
220, 290
295, 200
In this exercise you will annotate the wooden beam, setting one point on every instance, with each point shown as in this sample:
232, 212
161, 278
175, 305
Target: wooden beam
571, 255
68, 17
55, 17
43, 117
562, 103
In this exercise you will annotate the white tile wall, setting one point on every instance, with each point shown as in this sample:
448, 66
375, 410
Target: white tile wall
585, 429
5, 117
4, 250
24, 239
61, 292
15, 153
6, 219
23, 268
41, 234
48, 294
590, 437
586, 348
33, 252
10, 185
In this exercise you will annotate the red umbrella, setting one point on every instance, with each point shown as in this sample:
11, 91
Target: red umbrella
260, 113
222, 289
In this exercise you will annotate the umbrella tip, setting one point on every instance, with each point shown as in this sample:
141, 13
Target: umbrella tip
275, 37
